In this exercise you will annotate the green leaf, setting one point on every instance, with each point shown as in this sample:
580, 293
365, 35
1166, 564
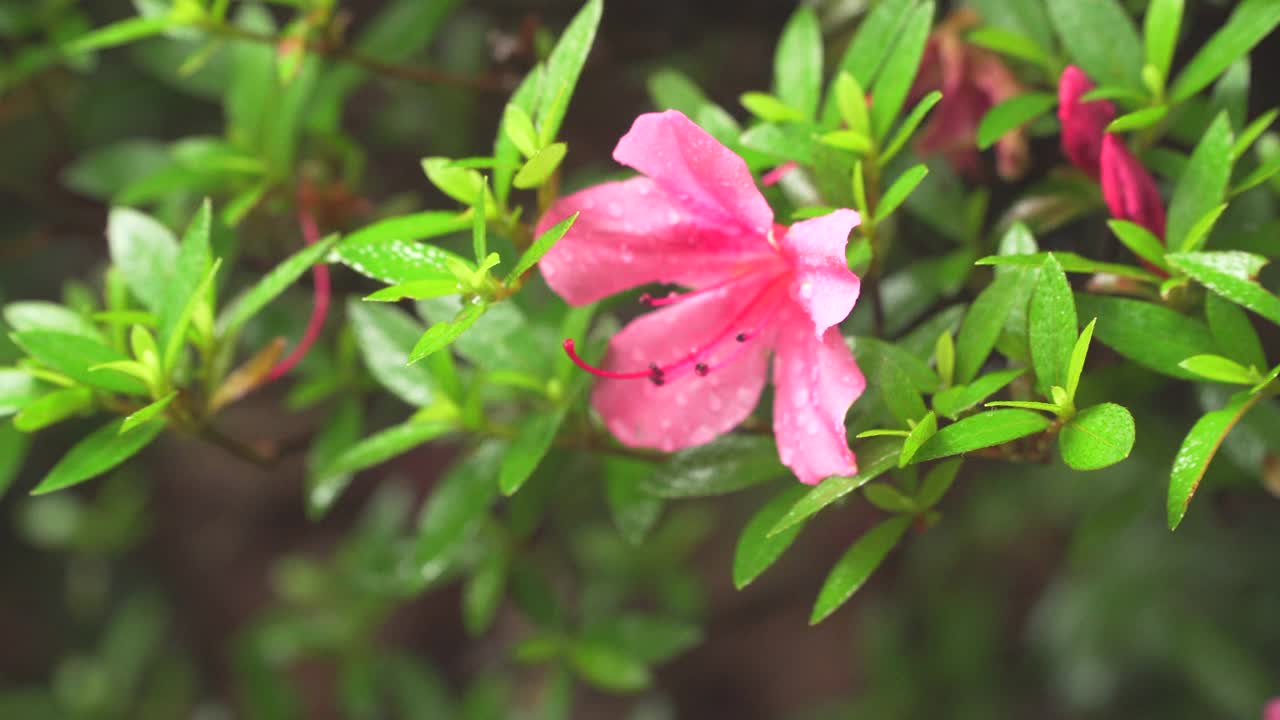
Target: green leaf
853, 569
442, 334
418, 226
1079, 352
757, 549
888, 498
908, 126
1233, 332
936, 483
1072, 263
1264, 172
797, 63
1052, 325
874, 459
483, 591
341, 431
1197, 451
75, 356
1224, 273
540, 167
1251, 21
986, 429
1010, 43
1252, 132
1160, 32
899, 190
894, 81
384, 445
769, 108
385, 335
1141, 241
564, 65
1012, 114
100, 451
1096, 437
1216, 367
53, 407
460, 498
144, 251
1138, 119
271, 285
532, 441
42, 315
854, 142
17, 388
634, 510
608, 668
13, 452
506, 156
726, 465
540, 246
878, 32
417, 290
464, 184
925, 429
401, 261
1099, 35
518, 127
1203, 184
648, 638
1149, 334
982, 325
118, 33
954, 400
192, 276
147, 414
851, 100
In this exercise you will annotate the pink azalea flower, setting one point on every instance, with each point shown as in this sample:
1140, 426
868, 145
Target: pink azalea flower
695, 368
1272, 710
1128, 188
1083, 123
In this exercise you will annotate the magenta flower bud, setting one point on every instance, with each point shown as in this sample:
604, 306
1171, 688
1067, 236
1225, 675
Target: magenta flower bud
1128, 188
1083, 123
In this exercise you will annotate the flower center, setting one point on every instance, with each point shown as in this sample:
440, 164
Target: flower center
742, 329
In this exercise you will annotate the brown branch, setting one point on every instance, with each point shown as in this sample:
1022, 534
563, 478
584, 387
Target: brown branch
411, 73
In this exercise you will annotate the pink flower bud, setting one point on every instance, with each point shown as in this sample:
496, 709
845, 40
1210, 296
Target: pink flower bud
1128, 188
1083, 123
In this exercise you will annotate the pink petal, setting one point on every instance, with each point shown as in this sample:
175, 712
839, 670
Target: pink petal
1128, 188
689, 409
1272, 710
822, 283
629, 233
1083, 123
816, 380
695, 170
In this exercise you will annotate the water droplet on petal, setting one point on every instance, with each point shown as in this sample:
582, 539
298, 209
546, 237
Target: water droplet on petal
614, 210
806, 289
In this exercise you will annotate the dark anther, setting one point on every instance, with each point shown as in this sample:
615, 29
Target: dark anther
657, 380
701, 369
646, 299
741, 337
655, 370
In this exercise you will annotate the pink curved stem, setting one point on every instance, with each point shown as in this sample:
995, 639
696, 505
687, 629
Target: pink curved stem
320, 303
